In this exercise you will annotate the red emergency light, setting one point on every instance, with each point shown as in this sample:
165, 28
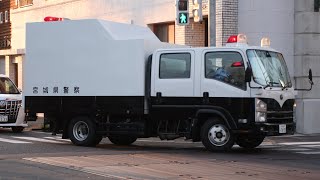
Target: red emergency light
49, 18
233, 39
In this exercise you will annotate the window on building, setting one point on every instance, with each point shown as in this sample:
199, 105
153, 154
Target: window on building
1, 17
175, 66
316, 5
165, 32
6, 16
227, 67
23, 3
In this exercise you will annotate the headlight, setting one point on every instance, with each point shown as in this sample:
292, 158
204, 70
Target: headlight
261, 117
261, 106
261, 111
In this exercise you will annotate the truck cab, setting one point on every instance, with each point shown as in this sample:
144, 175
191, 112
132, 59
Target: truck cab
11, 112
238, 93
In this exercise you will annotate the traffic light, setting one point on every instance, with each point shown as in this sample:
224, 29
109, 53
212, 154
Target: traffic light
182, 12
197, 11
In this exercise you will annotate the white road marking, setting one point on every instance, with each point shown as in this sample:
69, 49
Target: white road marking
58, 139
310, 146
166, 141
294, 149
13, 141
40, 140
298, 143
317, 152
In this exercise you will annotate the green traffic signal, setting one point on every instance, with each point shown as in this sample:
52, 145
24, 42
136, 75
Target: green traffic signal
183, 18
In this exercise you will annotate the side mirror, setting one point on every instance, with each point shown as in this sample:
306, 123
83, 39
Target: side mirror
310, 77
248, 74
310, 81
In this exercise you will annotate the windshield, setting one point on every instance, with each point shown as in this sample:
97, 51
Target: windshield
269, 68
7, 87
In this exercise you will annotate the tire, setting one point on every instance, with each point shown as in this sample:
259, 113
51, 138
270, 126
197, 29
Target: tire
216, 136
249, 142
17, 129
82, 132
122, 140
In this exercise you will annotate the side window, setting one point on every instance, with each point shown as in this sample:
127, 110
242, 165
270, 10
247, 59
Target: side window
175, 66
225, 66
6, 16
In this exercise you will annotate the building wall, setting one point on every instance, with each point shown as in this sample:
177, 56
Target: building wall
191, 35
273, 19
5, 27
307, 56
226, 20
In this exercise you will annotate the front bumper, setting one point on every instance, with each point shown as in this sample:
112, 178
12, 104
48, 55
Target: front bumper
273, 129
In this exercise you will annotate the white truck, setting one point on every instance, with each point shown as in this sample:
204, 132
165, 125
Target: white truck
11, 113
103, 79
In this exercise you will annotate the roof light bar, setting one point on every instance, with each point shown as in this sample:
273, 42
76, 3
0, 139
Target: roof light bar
265, 42
232, 39
237, 40
49, 19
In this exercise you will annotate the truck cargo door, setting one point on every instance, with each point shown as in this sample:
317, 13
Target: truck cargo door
173, 74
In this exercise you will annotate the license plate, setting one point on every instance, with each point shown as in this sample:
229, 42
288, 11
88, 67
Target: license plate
3, 118
282, 128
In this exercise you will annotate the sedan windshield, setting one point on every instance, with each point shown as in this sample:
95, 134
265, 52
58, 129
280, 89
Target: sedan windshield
7, 87
269, 68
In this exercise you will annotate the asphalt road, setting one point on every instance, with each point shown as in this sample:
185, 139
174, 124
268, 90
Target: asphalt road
38, 155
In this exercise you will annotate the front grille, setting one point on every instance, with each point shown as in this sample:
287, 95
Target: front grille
10, 109
279, 116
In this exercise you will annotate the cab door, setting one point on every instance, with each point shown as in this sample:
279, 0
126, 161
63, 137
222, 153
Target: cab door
223, 73
173, 74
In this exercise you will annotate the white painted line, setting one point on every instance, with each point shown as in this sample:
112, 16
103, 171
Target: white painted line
318, 152
310, 146
13, 141
294, 149
167, 141
58, 139
40, 140
299, 143
48, 133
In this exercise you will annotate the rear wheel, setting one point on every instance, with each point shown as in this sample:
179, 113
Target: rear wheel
249, 142
122, 140
82, 132
17, 129
216, 136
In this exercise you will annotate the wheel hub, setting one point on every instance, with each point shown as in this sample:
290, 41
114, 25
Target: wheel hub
81, 130
219, 135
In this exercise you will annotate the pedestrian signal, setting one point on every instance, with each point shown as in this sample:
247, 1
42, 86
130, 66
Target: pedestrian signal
182, 12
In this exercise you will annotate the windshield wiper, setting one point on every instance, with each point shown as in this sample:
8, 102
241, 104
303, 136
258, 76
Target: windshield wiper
269, 84
284, 86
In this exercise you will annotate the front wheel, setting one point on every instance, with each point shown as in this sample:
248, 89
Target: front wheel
17, 129
82, 132
249, 142
122, 140
216, 136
